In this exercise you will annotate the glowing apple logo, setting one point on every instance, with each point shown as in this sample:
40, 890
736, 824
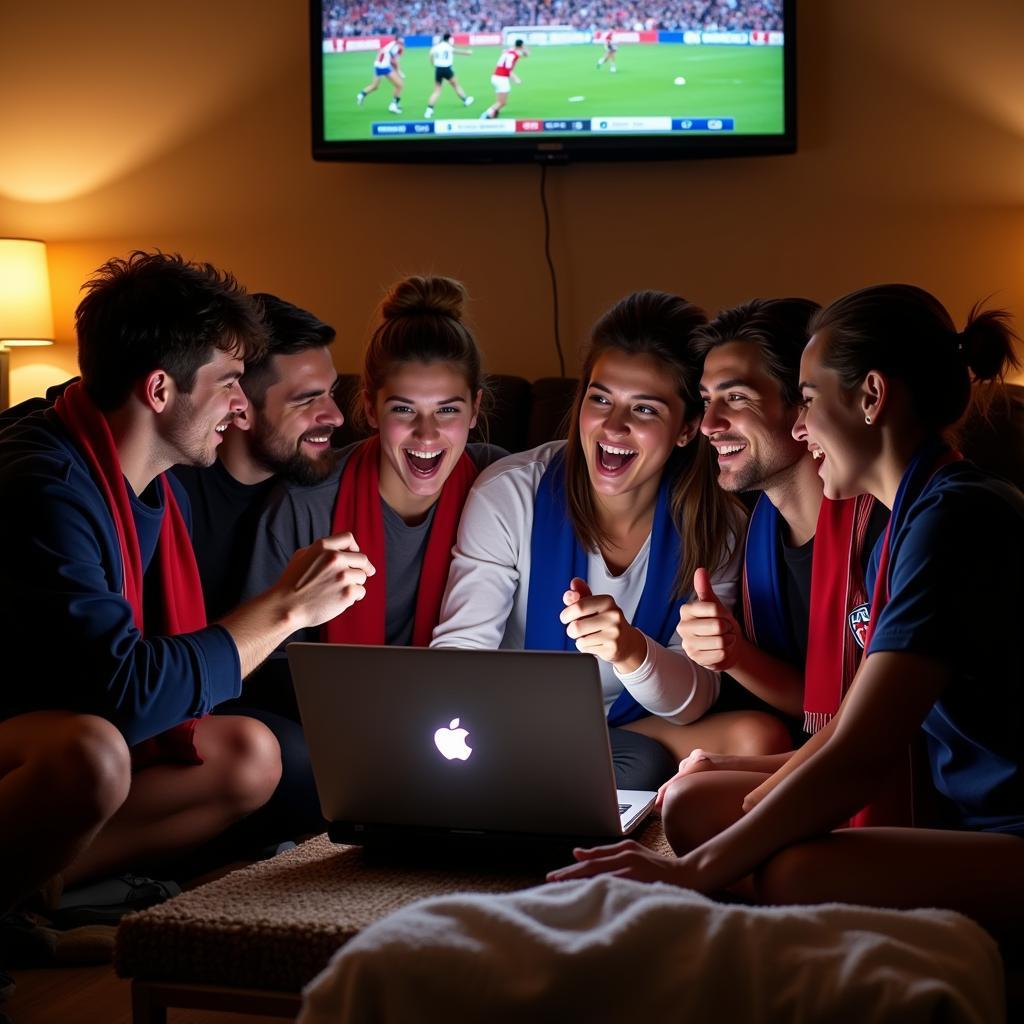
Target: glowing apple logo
452, 742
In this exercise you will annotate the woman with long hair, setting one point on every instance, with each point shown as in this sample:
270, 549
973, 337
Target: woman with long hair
591, 544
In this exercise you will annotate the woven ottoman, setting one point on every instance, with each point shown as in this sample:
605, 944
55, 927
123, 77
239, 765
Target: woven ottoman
251, 940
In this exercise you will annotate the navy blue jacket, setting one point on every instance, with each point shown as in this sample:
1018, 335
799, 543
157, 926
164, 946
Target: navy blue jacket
68, 636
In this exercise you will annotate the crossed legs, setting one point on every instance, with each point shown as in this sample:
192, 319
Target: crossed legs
172, 809
69, 802
980, 874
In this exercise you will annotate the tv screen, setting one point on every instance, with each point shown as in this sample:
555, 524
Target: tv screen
506, 80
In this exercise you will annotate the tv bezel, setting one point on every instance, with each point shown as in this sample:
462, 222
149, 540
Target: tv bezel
556, 150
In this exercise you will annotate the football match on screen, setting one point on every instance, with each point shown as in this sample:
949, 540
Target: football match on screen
443, 69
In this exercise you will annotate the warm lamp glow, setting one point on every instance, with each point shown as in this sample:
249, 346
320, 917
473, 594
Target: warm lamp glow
26, 316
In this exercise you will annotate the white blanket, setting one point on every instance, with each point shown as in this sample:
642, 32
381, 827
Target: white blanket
607, 949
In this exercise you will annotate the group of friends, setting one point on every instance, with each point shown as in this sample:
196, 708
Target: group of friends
827, 692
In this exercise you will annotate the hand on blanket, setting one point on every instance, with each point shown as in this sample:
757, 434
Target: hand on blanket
324, 579
627, 859
707, 628
598, 626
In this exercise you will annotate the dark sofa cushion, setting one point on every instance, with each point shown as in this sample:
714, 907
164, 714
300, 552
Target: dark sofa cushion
994, 437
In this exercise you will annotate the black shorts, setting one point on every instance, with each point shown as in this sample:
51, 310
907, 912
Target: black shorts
443, 74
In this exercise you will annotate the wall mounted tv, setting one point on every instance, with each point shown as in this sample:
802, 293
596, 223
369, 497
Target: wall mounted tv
551, 80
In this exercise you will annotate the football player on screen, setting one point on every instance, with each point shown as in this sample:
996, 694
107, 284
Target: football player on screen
442, 56
503, 77
610, 49
385, 65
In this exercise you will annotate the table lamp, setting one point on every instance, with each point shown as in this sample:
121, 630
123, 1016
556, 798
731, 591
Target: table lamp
26, 316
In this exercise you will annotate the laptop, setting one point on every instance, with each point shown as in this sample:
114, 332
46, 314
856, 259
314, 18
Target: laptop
458, 743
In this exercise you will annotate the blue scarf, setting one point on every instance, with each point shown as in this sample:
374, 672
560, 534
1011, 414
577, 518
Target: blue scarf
932, 456
556, 556
895, 804
768, 624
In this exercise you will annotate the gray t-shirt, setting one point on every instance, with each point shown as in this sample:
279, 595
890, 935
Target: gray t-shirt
297, 515
404, 547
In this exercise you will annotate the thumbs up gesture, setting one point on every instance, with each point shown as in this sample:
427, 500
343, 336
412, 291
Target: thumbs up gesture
707, 628
598, 626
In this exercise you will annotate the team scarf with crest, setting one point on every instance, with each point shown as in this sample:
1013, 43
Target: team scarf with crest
556, 556
357, 511
838, 599
899, 801
181, 608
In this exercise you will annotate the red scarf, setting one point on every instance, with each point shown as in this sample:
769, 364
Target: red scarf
181, 591
357, 511
837, 588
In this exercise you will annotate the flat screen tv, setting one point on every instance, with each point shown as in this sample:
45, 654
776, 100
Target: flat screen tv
551, 80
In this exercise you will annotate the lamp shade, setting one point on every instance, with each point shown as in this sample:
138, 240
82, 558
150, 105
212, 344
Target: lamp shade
26, 316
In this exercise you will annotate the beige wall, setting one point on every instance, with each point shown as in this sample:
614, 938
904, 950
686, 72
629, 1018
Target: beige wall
185, 126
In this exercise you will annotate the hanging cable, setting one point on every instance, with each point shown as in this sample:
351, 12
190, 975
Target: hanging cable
551, 265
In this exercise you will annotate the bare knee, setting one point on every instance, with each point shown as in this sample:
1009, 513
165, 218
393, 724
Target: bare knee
756, 733
85, 768
250, 762
789, 877
697, 807
682, 813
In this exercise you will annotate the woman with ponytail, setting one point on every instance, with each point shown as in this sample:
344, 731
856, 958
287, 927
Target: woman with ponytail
591, 544
399, 492
883, 379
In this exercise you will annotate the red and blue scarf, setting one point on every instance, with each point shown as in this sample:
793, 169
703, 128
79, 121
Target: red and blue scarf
556, 556
838, 590
357, 511
182, 609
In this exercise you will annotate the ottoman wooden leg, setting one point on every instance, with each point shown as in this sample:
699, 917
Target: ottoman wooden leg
147, 1007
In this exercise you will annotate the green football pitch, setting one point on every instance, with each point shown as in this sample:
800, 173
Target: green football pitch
563, 82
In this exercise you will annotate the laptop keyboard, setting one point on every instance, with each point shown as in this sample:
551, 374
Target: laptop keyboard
624, 807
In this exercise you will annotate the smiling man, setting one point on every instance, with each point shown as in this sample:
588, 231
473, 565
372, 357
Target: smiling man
283, 434
108, 757
803, 575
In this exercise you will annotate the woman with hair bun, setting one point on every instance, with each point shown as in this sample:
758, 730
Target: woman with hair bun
591, 544
883, 378
400, 491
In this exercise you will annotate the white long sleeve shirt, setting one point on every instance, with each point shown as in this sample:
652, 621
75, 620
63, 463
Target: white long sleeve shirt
485, 600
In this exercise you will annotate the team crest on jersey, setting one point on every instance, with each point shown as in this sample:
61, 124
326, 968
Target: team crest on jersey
860, 620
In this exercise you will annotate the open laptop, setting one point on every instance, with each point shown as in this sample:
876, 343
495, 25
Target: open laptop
418, 741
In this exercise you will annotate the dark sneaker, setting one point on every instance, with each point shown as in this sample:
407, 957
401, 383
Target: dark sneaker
107, 901
266, 852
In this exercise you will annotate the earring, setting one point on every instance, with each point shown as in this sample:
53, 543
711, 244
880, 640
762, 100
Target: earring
867, 420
